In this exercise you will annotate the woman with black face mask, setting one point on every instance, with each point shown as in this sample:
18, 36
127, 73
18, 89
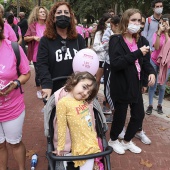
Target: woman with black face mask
58, 47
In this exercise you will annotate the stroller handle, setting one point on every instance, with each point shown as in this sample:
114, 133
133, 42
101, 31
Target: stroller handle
81, 157
60, 78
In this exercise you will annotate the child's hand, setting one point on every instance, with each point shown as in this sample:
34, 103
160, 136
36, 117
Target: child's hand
59, 153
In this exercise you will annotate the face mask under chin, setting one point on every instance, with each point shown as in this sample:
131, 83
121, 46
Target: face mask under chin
62, 21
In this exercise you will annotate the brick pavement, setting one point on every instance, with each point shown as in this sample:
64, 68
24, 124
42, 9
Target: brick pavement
157, 128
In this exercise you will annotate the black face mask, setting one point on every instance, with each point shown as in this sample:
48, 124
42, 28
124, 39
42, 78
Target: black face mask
62, 21
10, 20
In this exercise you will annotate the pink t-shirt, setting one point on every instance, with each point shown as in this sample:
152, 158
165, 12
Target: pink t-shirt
86, 30
39, 33
15, 21
80, 30
9, 32
12, 105
155, 53
133, 47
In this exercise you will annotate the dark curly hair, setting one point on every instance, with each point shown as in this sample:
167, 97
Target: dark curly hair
2, 26
51, 32
154, 2
75, 78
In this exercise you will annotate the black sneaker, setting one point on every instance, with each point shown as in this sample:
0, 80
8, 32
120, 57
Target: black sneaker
159, 110
149, 110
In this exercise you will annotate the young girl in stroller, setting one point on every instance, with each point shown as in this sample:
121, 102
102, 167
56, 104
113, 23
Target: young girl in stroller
73, 111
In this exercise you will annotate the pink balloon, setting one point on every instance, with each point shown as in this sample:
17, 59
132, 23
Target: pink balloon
86, 60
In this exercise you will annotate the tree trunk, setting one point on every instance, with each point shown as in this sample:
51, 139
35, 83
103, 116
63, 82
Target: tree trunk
18, 7
116, 5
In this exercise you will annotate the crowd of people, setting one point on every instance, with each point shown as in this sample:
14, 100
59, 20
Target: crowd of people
133, 53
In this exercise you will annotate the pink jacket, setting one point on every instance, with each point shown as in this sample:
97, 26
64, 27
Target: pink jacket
58, 95
31, 32
164, 60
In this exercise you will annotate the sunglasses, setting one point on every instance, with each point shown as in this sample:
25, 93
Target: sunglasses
63, 48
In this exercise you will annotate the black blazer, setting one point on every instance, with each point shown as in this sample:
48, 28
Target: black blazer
125, 85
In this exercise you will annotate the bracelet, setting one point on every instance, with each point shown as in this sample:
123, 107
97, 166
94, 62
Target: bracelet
18, 83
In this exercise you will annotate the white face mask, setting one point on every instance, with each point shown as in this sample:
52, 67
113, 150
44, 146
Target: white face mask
158, 10
108, 25
132, 28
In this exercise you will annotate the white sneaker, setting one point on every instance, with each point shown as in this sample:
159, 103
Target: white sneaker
142, 136
122, 134
131, 146
117, 147
39, 95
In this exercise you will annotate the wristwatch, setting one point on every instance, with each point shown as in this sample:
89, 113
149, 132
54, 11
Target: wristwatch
18, 83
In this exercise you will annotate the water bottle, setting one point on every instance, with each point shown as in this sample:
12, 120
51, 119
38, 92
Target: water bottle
34, 161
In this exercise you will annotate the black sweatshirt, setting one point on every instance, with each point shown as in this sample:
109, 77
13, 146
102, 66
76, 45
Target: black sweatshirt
52, 62
125, 85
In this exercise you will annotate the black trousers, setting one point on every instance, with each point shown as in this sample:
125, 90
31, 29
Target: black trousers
119, 118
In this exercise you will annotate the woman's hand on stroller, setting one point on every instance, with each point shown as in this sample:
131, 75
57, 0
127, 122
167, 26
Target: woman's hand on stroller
59, 153
46, 93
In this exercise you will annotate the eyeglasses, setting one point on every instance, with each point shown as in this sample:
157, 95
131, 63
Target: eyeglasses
63, 48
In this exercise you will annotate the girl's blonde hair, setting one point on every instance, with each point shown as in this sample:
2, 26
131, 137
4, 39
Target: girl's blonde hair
75, 78
33, 17
125, 21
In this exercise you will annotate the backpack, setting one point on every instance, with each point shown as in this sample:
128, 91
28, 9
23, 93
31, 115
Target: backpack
15, 28
149, 21
15, 47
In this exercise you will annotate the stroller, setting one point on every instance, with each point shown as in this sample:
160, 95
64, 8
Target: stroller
57, 162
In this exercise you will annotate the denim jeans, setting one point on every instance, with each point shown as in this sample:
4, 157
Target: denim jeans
152, 89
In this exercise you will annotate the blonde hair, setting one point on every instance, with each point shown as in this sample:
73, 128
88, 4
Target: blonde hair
125, 21
2, 8
33, 17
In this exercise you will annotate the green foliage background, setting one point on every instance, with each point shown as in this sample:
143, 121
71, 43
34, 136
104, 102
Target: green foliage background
89, 9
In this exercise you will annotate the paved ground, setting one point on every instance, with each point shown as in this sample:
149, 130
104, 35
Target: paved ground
153, 157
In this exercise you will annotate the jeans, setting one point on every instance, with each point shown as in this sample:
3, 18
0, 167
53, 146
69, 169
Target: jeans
152, 89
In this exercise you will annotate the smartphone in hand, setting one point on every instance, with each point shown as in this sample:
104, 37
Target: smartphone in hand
5, 87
